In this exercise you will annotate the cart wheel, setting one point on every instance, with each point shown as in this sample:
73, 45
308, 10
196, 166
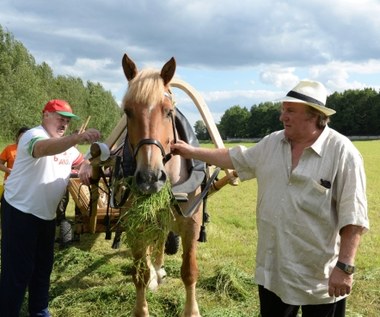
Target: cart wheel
172, 243
65, 233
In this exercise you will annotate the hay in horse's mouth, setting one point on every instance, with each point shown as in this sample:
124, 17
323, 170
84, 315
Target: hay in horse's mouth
147, 219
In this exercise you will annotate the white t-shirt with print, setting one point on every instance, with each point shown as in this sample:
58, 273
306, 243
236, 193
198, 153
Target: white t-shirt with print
36, 185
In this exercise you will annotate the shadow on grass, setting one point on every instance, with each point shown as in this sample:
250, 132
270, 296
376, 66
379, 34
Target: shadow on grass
80, 267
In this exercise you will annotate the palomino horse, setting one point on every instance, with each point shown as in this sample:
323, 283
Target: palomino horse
150, 112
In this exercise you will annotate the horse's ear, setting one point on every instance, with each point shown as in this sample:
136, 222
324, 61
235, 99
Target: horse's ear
129, 67
168, 71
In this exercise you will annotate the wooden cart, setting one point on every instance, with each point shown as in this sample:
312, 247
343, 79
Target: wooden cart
102, 219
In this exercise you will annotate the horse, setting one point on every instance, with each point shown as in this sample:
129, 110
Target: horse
150, 111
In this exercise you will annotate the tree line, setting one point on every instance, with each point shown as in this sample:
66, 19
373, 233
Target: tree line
357, 114
25, 87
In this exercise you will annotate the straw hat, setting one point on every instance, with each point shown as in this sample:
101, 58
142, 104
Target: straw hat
312, 93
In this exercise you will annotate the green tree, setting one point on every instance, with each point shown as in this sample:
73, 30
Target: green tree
104, 107
19, 85
264, 119
201, 130
25, 87
234, 122
356, 111
373, 115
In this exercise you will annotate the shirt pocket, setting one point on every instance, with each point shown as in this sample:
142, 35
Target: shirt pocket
313, 199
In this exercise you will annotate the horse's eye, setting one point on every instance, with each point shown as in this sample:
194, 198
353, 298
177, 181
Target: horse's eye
128, 112
169, 112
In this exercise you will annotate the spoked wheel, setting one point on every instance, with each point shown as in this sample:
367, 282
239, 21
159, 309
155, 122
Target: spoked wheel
172, 243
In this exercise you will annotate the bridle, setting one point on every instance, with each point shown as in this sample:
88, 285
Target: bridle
149, 141
165, 158
118, 171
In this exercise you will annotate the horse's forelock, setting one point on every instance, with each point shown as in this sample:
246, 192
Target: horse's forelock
146, 88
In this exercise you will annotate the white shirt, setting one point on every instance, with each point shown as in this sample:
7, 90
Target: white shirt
36, 185
299, 219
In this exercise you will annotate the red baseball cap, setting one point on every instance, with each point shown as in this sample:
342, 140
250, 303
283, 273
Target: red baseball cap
61, 107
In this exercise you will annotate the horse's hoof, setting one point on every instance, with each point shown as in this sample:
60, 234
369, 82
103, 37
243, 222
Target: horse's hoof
153, 285
161, 275
153, 282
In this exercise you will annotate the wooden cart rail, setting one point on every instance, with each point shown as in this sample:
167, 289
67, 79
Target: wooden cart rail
85, 219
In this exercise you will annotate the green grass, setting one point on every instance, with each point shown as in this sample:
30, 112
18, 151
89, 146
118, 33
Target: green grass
92, 279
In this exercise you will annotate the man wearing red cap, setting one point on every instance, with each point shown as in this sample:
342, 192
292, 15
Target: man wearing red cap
37, 183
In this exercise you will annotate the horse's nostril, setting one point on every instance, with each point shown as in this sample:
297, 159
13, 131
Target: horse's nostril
162, 177
150, 181
145, 177
138, 178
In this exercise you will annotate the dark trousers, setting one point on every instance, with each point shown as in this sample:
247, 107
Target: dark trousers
27, 255
272, 306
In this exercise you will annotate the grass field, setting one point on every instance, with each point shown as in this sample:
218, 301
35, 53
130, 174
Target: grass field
92, 279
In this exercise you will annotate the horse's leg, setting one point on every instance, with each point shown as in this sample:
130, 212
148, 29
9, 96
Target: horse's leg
141, 278
159, 262
154, 268
190, 229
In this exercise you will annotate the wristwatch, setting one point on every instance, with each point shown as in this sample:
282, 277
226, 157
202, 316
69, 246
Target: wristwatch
346, 268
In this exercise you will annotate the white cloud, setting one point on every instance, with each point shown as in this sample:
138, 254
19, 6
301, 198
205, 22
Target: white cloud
280, 42
83, 66
340, 76
280, 77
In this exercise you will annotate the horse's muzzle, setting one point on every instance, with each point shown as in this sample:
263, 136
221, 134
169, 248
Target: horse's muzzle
150, 181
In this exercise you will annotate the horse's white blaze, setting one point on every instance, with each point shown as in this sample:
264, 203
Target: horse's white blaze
149, 154
161, 274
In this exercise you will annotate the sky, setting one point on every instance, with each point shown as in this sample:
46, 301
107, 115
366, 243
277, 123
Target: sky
232, 52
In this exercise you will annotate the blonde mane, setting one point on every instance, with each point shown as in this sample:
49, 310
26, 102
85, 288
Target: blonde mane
146, 88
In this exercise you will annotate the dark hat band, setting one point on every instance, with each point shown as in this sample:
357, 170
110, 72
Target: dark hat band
303, 97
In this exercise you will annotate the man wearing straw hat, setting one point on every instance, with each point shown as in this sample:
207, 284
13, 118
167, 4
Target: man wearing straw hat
311, 210
28, 209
